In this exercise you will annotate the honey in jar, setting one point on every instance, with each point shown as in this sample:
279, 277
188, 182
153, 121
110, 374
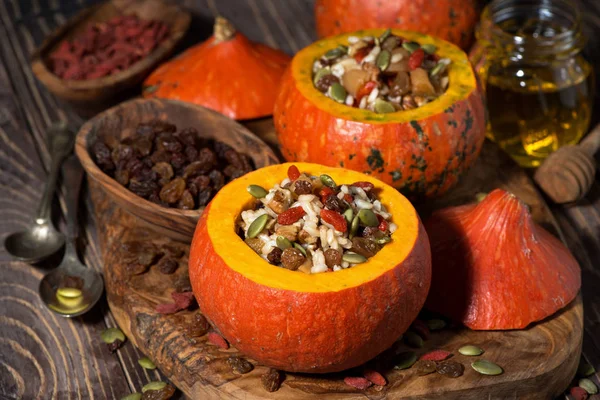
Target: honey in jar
539, 88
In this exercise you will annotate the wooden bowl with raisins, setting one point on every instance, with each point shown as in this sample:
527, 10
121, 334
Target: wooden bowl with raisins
164, 160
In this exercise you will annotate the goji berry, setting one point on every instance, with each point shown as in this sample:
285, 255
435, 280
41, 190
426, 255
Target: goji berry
383, 224
335, 219
348, 198
293, 173
325, 192
436, 355
357, 382
421, 328
364, 185
375, 377
415, 59
365, 90
217, 340
183, 300
579, 393
290, 216
167, 308
362, 53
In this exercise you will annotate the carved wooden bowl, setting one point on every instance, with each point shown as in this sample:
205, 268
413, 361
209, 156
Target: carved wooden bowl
91, 96
122, 120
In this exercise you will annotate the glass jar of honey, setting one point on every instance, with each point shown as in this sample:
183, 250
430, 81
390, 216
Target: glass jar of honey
538, 86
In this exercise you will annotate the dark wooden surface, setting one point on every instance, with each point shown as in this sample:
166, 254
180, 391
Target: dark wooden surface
43, 356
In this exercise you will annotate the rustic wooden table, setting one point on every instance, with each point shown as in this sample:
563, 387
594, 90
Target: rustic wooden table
43, 356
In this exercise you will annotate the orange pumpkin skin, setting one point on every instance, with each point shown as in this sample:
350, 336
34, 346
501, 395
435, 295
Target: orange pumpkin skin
451, 20
300, 331
494, 268
421, 152
236, 77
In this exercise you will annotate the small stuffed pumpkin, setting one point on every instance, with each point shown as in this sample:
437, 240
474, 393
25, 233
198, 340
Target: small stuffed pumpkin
228, 73
494, 268
300, 322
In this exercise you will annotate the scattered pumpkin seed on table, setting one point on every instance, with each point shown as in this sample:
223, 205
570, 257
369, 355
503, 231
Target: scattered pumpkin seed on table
146, 363
405, 360
111, 334
436, 324
413, 340
132, 396
486, 367
155, 385
587, 385
585, 370
257, 191
257, 226
470, 350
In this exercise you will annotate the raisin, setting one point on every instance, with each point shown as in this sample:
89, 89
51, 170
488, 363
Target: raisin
255, 244
193, 169
221, 148
292, 259
271, 380
207, 159
451, 369
240, 161
142, 145
217, 179
163, 394
143, 189
167, 265
333, 257
370, 232
186, 202
159, 126
232, 172
172, 191
424, 367
188, 136
302, 187
121, 154
199, 326
204, 197
114, 346
102, 155
365, 247
183, 284
169, 143
164, 171
178, 160
191, 153
326, 81
240, 365
333, 203
160, 156
122, 176
274, 256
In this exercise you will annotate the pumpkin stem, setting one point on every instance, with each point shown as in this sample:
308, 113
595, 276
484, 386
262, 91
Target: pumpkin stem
223, 30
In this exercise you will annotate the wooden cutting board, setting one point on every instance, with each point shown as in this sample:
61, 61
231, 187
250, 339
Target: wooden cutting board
539, 362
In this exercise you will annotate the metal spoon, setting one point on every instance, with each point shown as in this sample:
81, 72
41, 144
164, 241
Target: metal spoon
71, 272
41, 240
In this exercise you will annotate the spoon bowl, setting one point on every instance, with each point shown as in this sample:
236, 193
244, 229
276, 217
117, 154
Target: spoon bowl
35, 244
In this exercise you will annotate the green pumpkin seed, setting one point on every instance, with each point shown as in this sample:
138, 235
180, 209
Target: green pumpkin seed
383, 60
337, 92
132, 396
439, 67
486, 367
368, 217
283, 242
349, 215
70, 302
585, 370
587, 385
429, 48
383, 107
321, 73
353, 258
69, 292
300, 248
334, 53
413, 340
343, 48
354, 226
436, 324
155, 385
470, 350
257, 226
257, 191
411, 47
327, 181
382, 240
405, 360
385, 35
146, 363
111, 334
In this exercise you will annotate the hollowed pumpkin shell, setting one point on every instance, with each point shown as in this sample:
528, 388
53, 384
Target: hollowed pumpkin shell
307, 322
421, 152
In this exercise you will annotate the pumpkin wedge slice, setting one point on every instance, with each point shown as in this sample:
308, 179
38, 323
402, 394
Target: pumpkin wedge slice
307, 322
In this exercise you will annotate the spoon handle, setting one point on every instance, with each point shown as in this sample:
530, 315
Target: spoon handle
72, 176
591, 142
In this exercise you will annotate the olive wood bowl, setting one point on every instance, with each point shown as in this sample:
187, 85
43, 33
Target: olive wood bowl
121, 121
90, 96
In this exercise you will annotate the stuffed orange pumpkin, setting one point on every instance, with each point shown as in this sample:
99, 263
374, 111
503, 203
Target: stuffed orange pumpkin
301, 322
494, 268
452, 20
421, 152
228, 73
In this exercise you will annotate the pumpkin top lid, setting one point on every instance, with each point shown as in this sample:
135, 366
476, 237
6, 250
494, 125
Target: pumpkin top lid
462, 80
232, 199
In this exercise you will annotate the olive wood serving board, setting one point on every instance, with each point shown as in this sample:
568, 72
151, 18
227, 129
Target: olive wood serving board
538, 362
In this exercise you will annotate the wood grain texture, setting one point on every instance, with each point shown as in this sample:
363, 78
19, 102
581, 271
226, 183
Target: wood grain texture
122, 120
92, 96
200, 369
27, 109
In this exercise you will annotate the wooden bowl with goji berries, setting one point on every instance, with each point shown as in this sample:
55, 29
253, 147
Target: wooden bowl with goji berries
105, 51
164, 160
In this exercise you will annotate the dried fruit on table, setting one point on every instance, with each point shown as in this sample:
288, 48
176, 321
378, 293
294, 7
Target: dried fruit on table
271, 380
167, 308
156, 391
198, 326
358, 382
425, 367
167, 265
218, 340
183, 300
436, 355
579, 393
495, 268
451, 369
228, 57
375, 377
240, 365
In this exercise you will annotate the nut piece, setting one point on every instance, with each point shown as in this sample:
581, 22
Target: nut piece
306, 238
292, 259
281, 201
290, 232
